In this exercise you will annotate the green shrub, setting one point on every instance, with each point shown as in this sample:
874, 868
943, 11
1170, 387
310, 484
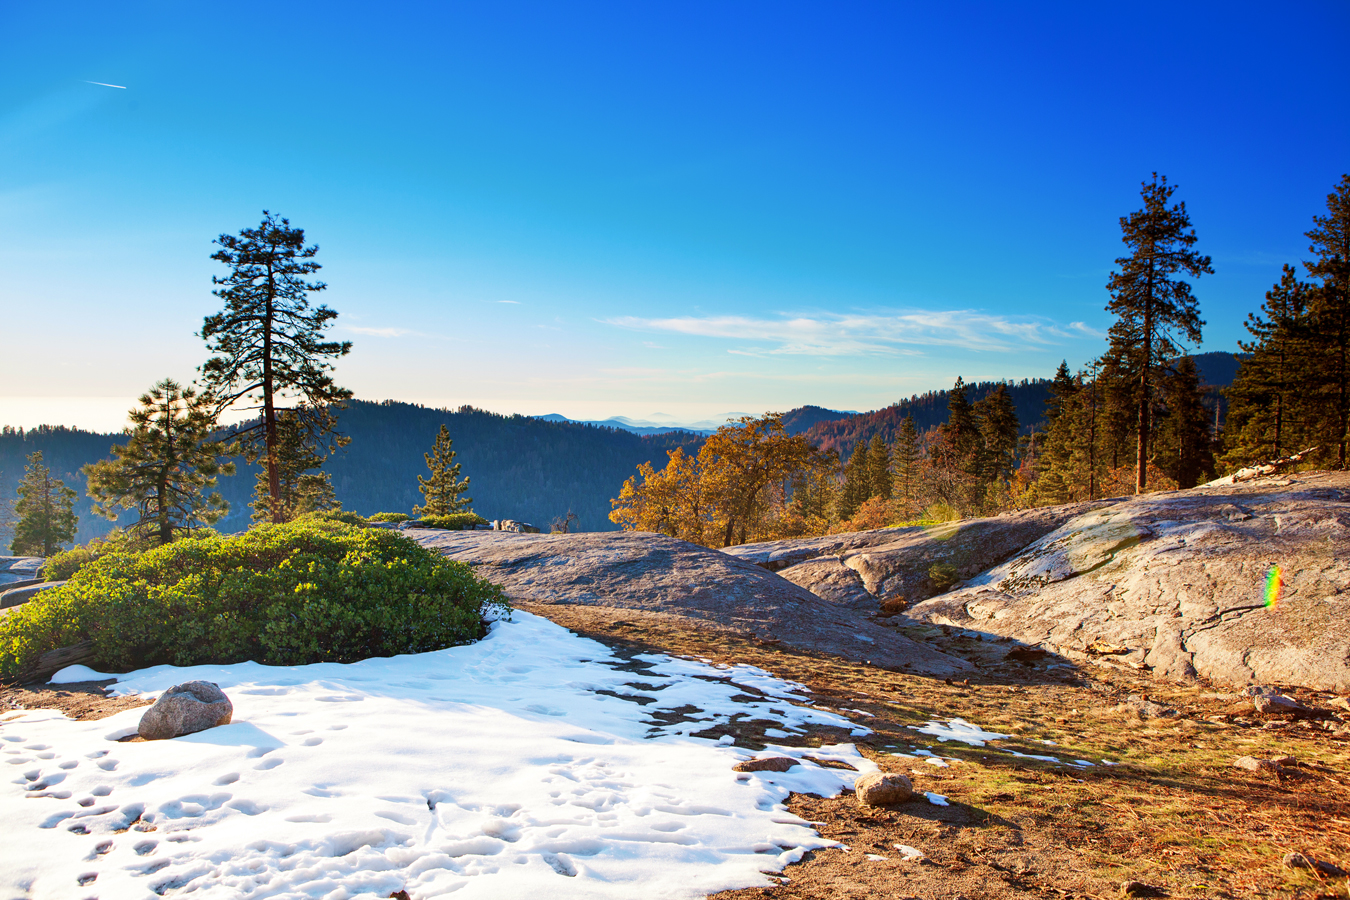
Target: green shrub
389, 517
60, 566
453, 521
346, 517
308, 591
941, 511
943, 576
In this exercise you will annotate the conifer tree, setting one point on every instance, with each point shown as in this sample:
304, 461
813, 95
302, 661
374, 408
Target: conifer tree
167, 469
45, 511
1266, 398
1330, 314
1151, 303
907, 459
269, 353
442, 490
996, 417
300, 489
1184, 438
1062, 389
881, 482
857, 482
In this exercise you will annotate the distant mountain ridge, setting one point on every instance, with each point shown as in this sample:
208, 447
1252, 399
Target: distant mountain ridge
520, 467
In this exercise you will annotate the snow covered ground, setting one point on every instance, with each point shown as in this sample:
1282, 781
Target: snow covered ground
501, 770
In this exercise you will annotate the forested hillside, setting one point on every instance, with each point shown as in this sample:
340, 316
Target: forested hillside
929, 410
519, 467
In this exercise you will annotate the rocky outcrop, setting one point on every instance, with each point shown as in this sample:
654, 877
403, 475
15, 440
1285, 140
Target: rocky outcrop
15, 569
661, 576
24, 592
1176, 582
899, 566
186, 709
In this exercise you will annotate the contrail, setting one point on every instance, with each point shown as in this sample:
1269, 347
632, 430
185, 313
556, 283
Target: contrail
120, 87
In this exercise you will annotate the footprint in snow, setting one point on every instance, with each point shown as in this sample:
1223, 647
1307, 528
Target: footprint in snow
269, 764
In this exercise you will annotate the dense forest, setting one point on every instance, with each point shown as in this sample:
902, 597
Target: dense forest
519, 467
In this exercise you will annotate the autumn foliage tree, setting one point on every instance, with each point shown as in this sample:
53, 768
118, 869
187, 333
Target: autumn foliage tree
731, 493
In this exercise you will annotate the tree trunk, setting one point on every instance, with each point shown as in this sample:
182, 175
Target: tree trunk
1145, 400
269, 409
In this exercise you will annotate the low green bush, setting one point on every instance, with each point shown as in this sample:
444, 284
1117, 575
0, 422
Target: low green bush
389, 517
60, 566
453, 521
346, 517
309, 591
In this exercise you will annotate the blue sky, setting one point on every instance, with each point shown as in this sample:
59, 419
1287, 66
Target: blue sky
600, 209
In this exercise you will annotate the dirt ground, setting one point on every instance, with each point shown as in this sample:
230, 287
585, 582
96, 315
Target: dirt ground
1172, 814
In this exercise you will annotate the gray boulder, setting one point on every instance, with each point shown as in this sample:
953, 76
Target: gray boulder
659, 576
185, 709
1175, 583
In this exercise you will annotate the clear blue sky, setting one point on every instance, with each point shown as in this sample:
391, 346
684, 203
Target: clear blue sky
637, 208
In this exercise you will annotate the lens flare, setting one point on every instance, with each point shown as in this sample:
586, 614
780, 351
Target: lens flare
1274, 586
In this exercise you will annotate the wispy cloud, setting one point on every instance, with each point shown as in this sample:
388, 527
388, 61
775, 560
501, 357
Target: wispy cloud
377, 332
512, 302
853, 334
120, 87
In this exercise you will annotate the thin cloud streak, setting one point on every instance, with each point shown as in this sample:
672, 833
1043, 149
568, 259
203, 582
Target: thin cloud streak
120, 87
377, 332
854, 334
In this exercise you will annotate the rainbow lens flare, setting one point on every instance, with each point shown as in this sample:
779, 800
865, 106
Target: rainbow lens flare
1274, 586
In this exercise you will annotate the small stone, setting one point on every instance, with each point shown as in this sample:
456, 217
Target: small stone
1139, 889
1297, 861
185, 709
883, 789
1283, 761
766, 764
1277, 703
1252, 764
1341, 703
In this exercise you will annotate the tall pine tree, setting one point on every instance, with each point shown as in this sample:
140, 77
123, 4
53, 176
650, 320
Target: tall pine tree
269, 355
1330, 315
1152, 305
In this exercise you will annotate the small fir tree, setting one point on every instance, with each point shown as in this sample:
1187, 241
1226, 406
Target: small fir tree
996, 416
443, 489
1183, 446
300, 489
1267, 397
857, 482
45, 511
879, 477
907, 459
167, 469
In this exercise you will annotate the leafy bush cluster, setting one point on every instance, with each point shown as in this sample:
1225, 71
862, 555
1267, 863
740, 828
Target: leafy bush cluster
62, 565
453, 521
388, 517
309, 591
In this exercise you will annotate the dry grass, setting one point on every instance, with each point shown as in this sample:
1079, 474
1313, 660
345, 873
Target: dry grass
1174, 813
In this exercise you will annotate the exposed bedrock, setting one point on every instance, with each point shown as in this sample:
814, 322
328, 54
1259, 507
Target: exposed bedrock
1178, 582
901, 566
651, 574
